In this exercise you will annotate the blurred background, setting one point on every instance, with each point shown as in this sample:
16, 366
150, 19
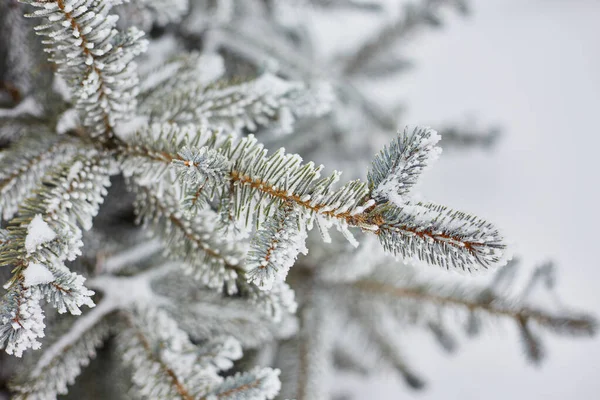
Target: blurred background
532, 67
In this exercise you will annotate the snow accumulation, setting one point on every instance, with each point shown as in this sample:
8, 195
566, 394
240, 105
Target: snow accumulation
36, 274
38, 233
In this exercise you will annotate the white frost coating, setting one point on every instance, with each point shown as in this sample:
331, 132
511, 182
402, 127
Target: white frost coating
36, 274
213, 67
30, 326
38, 233
436, 235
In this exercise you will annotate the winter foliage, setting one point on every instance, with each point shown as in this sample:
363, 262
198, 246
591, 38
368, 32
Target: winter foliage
145, 191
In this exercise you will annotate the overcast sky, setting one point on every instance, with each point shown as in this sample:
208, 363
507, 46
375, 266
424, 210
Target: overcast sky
531, 66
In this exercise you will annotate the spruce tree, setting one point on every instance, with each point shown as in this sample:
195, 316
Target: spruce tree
159, 242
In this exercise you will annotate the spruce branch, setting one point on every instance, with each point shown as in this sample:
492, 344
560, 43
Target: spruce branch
139, 352
68, 198
94, 58
209, 256
398, 167
440, 236
432, 234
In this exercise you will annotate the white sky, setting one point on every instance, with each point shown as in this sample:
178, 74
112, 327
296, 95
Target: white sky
531, 66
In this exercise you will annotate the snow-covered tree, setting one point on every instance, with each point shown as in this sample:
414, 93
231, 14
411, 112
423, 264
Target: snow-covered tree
145, 194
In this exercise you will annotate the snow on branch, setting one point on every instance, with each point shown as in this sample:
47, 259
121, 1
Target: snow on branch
156, 349
95, 59
201, 166
69, 198
149, 153
266, 182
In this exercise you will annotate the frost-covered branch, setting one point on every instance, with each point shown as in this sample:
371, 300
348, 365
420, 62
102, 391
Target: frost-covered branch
430, 233
94, 58
46, 234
